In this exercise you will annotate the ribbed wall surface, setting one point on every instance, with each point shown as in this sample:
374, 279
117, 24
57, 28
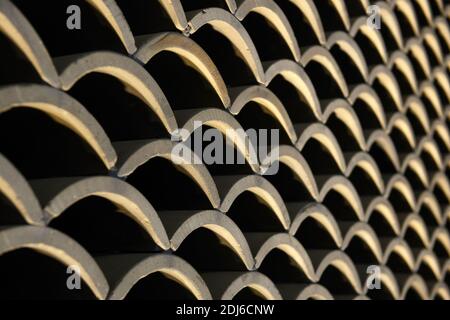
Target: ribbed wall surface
87, 177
